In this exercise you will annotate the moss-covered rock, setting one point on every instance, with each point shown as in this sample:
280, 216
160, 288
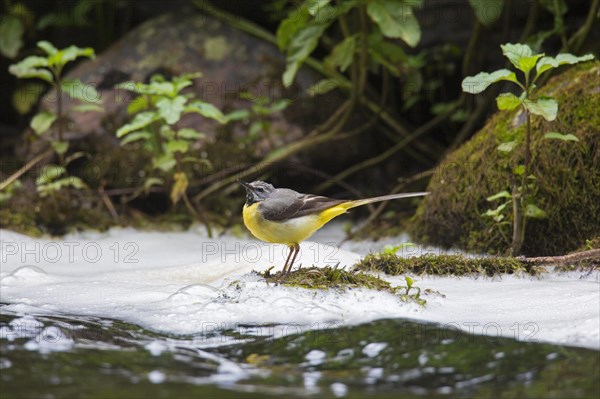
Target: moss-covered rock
568, 177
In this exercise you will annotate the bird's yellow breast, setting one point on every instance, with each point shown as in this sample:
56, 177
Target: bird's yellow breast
291, 231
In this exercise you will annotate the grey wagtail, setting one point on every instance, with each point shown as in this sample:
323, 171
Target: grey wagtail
284, 216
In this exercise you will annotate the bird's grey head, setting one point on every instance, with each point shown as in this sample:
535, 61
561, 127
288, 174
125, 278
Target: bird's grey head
257, 191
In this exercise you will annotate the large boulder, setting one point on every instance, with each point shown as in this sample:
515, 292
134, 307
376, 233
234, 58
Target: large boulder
568, 177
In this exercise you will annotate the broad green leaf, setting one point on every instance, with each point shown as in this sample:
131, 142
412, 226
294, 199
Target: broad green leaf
11, 36
342, 54
190, 134
501, 194
507, 147
487, 11
70, 181
321, 11
166, 89
395, 20
164, 162
171, 109
49, 173
26, 96
496, 212
136, 136
515, 52
299, 48
481, 81
78, 90
279, 105
507, 101
42, 121
290, 26
138, 104
547, 63
532, 211
30, 67
526, 64
139, 121
47, 47
87, 108
62, 57
207, 110
177, 146
60, 147
322, 86
237, 115
559, 136
180, 185
519, 170
546, 107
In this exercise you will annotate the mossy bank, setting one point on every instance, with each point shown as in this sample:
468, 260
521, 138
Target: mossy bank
568, 177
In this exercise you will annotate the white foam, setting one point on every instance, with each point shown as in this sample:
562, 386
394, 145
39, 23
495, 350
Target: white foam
186, 283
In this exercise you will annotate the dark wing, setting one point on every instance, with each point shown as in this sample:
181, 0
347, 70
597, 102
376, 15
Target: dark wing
286, 204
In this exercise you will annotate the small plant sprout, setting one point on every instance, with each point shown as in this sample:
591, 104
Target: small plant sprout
49, 68
159, 106
532, 66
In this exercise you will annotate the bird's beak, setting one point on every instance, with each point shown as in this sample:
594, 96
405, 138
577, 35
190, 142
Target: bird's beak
247, 186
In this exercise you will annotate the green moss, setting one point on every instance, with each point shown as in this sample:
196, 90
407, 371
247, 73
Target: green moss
568, 177
336, 278
444, 265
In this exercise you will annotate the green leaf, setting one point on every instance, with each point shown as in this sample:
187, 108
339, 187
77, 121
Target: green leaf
289, 27
501, 194
279, 105
487, 11
42, 121
139, 121
395, 20
516, 52
507, 147
190, 134
559, 136
47, 47
60, 147
342, 54
519, 170
11, 36
158, 88
237, 115
30, 68
322, 86
546, 107
138, 104
177, 146
78, 90
171, 109
526, 64
136, 136
62, 57
507, 101
532, 211
299, 48
164, 162
207, 110
50, 173
481, 81
547, 63
87, 108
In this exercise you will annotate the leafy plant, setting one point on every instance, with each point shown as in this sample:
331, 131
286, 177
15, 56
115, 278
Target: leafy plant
49, 68
159, 106
257, 117
299, 35
533, 66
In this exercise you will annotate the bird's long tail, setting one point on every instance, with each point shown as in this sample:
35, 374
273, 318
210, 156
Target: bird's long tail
354, 204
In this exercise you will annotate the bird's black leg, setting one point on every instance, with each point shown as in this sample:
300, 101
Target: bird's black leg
297, 250
291, 247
